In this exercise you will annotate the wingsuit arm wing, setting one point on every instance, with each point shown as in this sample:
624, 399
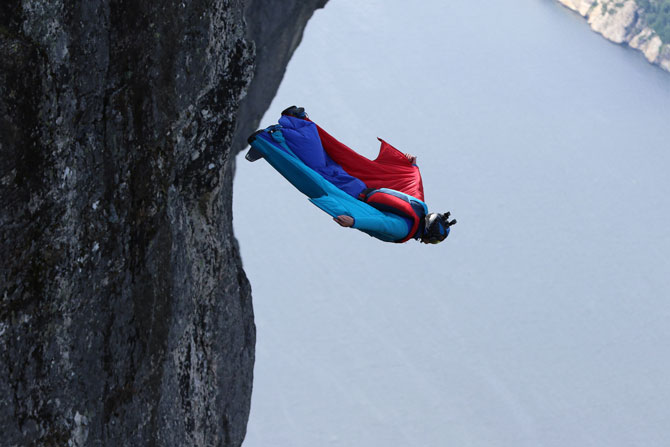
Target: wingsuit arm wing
392, 227
391, 169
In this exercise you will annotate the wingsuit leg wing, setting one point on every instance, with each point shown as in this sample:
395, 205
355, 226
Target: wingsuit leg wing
271, 145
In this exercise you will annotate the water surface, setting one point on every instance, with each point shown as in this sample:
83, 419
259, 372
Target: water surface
544, 319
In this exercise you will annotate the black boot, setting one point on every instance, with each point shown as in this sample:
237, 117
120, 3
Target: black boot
253, 154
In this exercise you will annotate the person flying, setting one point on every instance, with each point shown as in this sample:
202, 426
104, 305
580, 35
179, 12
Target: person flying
381, 197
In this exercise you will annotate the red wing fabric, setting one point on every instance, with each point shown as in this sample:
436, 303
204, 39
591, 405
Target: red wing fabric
390, 169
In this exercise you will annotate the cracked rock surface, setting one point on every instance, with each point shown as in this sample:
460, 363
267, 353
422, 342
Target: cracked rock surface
126, 316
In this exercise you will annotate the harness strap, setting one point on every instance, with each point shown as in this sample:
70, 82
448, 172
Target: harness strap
396, 203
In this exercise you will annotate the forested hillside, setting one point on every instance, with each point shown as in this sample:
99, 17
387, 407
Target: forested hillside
658, 16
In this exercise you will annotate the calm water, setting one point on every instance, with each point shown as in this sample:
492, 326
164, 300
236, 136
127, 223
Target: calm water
544, 320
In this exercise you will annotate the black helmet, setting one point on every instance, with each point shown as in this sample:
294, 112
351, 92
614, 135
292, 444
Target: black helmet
437, 228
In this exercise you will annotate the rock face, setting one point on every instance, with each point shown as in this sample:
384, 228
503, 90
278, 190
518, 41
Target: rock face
623, 22
125, 316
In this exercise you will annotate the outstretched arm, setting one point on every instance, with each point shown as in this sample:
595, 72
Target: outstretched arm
387, 227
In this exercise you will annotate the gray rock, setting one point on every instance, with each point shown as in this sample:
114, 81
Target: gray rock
125, 316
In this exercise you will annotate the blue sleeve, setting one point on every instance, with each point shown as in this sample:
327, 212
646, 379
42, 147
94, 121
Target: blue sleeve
387, 226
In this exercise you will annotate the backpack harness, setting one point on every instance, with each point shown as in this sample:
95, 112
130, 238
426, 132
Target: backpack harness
396, 202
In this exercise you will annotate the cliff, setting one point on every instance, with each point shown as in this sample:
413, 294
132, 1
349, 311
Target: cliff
126, 317
623, 22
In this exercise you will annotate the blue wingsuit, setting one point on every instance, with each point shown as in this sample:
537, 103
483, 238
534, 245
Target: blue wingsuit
294, 149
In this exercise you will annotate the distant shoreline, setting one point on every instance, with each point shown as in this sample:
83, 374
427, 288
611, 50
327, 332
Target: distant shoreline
621, 22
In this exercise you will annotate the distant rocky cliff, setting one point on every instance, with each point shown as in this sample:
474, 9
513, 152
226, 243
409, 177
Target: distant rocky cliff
623, 22
125, 315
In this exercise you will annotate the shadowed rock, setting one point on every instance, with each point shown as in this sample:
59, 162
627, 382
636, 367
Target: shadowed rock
126, 317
